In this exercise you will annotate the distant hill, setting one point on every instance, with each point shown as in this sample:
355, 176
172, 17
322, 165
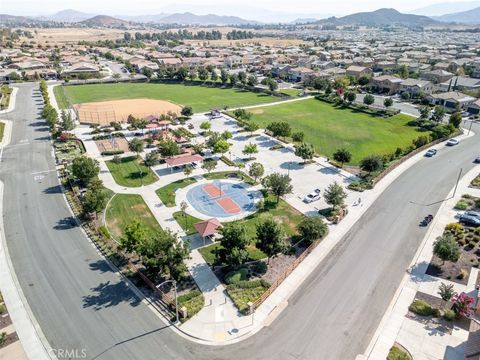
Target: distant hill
304, 21
210, 19
104, 20
465, 17
6, 19
67, 15
380, 17
445, 8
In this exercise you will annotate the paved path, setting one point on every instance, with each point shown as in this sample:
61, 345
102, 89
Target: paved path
273, 103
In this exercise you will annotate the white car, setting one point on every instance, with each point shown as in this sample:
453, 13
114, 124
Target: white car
313, 196
452, 142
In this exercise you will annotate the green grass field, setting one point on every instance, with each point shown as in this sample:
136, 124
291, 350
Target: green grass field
2, 130
200, 98
167, 192
129, 172
123, 209
329, 128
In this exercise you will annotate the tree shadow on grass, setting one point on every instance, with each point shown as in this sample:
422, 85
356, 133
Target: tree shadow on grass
108, 294
137, 175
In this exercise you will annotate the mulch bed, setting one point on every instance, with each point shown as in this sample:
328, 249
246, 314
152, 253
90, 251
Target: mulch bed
5, 321
434, 324
11, 338
450, 271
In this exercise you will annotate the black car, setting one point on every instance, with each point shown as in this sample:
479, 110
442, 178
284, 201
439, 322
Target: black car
469, 220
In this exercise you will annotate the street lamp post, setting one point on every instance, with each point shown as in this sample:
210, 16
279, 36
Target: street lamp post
174, 282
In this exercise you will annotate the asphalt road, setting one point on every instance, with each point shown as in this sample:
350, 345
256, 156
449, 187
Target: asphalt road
81, 304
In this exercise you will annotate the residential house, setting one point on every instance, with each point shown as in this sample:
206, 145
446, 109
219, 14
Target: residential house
358, 71
281, 70
436, 76
299, 74
416, 86
474, 108
460, 83
386, 84
450, 100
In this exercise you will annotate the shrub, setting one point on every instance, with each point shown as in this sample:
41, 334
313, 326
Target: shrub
461, 205
3, 309
454, 228
233, 277
396, 353
449, 314
112, 152
260, 268
188, 296
227, 161
421, 308
463, 273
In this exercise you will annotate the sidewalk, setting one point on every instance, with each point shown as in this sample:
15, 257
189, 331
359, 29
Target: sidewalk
415, 337
219, 322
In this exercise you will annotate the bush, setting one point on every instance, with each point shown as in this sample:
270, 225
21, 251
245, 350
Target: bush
421, 308
188, 296
461, 205
449, 314
463, 273
112, 152
454, 228
3, 309
233, 277
227, 161
396, 353
260, 268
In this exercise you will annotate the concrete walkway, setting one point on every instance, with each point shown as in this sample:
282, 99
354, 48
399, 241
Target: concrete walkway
422, 343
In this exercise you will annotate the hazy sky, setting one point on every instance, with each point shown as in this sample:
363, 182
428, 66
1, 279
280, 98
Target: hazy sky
234, 7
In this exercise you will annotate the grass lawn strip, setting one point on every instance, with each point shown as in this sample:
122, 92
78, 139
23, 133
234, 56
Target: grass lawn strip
329, 128
193, 301
239, 175
200, 98
129, 172
123, 209
2, 130
186, 221
167, 192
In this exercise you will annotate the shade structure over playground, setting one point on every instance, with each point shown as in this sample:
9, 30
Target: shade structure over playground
208, 227
183, 160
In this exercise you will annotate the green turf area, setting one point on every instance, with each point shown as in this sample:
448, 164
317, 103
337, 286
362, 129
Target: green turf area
291, 92
62, 100
186, 221
283, 213
329, 128
129, 172
200, 98
230, 175
193, 301
2, 130
123, 209
167, 193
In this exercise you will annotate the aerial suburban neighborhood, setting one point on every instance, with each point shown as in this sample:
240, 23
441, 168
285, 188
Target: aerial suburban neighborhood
240, 180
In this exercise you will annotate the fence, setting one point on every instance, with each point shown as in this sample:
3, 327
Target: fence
284, 275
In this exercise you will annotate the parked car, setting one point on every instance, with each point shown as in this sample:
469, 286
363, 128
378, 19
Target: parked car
472, 213
477, 160
452, 142
469, 220
313, 196
431, 152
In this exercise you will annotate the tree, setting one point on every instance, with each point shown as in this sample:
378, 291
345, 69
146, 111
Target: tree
256, 170
278, 184
67, 122
342, 156
388, 102
187, 111
85, 169
226, 135
305, 151
221, 146
251, 127
205, 126
151, 159
233, 243
136, 145
242, 77
368, 99
350, 96
209, 165
224, 77
438, 113
135, 233
363, 80
252, 80
270, 238
95, 199
403, 71
183, 209
311, 229
181, 73
168, 148
446, 292
202, 74
371, 163
298, 136
446, 248
424, 112
188, 170
280, 129
455, 119
250, 149
335, 195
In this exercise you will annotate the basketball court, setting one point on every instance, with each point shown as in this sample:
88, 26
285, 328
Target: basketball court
222, 199
104, 112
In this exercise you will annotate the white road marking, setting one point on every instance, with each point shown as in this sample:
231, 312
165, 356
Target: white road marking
38, 177
42, 172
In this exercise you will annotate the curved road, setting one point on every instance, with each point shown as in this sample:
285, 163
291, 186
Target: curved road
80, 304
